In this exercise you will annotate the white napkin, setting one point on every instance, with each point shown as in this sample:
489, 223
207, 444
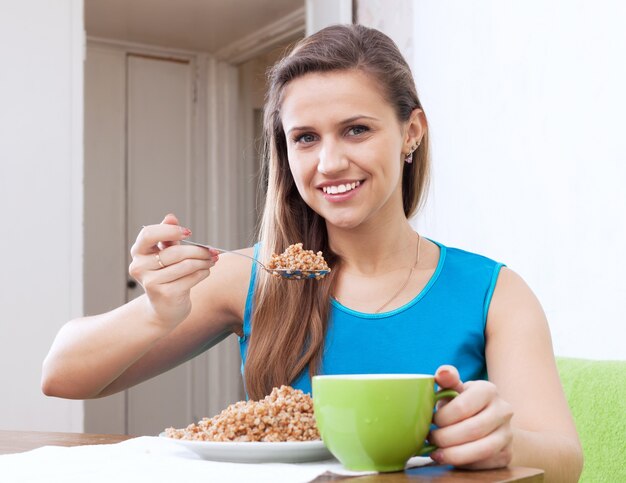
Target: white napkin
155, 460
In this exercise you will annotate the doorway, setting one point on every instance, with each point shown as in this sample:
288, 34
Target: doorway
158, 124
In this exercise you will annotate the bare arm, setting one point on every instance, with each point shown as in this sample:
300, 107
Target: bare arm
520, 416
521, 364
187, 314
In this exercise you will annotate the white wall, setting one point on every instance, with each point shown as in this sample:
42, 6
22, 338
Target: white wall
526, 103
41, 79
322, 13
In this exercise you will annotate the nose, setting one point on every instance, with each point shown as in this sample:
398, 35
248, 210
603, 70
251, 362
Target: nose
332, 158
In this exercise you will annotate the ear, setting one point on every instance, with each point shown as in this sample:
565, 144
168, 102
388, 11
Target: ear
414, 131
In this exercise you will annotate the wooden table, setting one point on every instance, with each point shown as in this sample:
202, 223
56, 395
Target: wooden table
19, 441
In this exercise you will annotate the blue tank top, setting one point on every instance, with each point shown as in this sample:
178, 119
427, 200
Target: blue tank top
443, 324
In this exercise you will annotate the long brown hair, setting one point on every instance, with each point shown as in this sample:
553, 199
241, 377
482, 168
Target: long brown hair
290, 318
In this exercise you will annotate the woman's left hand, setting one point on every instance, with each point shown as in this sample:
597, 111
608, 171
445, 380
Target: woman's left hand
474, 429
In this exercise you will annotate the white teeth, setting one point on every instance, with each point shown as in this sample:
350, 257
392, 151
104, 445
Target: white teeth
342, 188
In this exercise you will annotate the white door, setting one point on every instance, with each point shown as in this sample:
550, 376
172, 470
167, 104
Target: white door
159, 114
138, 130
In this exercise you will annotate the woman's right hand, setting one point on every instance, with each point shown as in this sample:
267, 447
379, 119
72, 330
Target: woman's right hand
167, 270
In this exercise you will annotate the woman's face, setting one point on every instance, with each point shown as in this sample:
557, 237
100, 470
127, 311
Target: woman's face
345, 147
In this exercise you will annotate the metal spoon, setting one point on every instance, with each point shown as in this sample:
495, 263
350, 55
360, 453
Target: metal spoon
289, 274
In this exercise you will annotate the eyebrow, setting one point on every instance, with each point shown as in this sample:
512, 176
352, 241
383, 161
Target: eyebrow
345, 121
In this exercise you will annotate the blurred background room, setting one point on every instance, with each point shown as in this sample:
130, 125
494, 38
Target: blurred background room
116, 112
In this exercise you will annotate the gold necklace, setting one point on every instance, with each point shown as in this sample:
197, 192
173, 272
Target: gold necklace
406, 282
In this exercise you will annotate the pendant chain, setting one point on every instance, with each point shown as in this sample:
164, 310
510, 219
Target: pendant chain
406, 282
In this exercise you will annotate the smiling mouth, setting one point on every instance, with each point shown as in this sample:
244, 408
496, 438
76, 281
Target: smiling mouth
341, 188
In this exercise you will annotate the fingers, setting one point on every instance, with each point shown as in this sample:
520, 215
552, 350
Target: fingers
177, 253
500, 460
170, 219
176, 261
175, 283
150, 236
492, 451
187, 282
159, 259
168, 270
475, 396
474, 427
447, 377
176, 271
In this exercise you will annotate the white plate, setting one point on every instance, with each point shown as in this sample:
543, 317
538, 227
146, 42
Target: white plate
258, 452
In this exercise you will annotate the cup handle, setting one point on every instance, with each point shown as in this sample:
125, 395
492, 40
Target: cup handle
444, 393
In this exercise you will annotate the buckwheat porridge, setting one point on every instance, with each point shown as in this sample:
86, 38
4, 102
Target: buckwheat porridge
286, 414
296, 258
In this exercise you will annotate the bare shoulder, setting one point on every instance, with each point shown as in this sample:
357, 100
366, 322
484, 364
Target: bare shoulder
517, 326
513, 301
518, 339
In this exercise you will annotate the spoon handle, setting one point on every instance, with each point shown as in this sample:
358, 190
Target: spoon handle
221, 250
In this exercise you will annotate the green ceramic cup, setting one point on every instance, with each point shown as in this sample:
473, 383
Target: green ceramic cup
375, 422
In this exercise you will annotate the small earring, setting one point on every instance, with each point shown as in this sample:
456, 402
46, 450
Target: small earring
409, 157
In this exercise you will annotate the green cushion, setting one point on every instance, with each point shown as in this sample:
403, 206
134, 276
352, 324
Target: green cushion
596, 393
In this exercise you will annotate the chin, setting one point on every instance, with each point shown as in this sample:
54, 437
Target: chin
344, 223
344, 218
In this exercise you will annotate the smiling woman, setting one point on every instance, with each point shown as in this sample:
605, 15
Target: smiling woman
347, 163
341, 152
